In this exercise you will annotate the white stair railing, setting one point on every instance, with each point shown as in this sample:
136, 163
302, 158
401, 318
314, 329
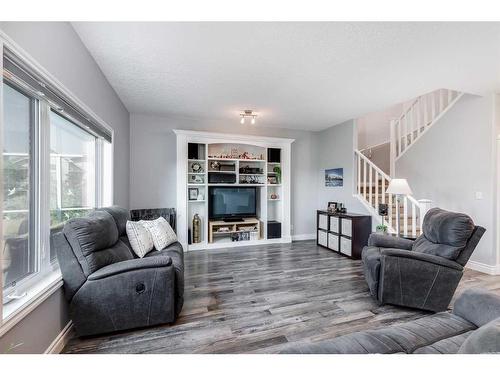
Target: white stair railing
372, 184
417, 119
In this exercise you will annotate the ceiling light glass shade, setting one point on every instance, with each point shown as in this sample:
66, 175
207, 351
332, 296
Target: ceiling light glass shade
242, 120
399, 186
253, 120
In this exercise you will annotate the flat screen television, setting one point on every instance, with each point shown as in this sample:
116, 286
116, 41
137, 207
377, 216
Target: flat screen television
227, 202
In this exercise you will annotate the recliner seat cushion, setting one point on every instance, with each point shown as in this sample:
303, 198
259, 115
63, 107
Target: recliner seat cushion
444, 233
94, 240
404, 338
484, 340
450, 345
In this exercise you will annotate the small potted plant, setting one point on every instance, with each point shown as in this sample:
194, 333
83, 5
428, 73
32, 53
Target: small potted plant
381, 228
277, 170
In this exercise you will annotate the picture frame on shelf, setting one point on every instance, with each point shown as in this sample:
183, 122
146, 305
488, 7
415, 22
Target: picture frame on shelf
332, 207
193, 194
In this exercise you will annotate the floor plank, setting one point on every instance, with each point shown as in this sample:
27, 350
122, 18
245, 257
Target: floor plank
259, 299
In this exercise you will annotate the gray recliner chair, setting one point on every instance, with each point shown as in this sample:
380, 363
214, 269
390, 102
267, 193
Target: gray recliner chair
108, 288
423, 273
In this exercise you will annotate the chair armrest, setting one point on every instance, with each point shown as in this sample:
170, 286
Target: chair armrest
478, 306
429, 258
384, 240
130, 265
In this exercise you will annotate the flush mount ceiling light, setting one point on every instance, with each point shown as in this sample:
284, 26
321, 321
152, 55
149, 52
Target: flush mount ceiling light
248, 113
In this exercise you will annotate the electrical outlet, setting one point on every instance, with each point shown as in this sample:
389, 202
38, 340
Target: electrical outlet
479, 195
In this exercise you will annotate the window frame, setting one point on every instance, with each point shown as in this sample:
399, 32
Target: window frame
47, 278
33, 231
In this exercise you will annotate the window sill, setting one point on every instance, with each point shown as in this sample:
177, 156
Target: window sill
15, 311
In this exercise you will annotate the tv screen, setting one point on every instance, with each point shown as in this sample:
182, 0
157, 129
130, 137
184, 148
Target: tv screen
225, 202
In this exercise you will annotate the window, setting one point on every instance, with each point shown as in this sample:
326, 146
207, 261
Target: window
72, 173
56, 165
19, 261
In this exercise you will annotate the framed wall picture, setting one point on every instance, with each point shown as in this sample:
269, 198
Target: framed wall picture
334, 177
193, 194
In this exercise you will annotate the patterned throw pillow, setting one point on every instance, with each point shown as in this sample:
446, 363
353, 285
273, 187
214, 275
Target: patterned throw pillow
161, 231
140, 238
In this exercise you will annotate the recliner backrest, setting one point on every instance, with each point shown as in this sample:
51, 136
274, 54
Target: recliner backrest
445, 233
94, 241
71, 269
466, 253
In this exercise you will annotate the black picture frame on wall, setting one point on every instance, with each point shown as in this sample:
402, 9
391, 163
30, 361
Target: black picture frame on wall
193, 194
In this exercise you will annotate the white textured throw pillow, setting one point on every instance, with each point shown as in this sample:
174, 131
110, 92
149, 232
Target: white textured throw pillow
161, 231
139, 237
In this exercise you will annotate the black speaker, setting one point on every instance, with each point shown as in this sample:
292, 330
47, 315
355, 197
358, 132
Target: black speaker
196, 151
221, 178
383, 209
274, 155
273, 229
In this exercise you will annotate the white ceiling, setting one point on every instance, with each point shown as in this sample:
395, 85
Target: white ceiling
295, 75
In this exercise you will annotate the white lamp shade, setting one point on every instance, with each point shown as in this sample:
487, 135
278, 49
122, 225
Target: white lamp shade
399, 186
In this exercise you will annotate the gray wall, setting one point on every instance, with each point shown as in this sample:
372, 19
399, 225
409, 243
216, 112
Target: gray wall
456, 159
381, 156
57, 47
37, 330
335, 147
153, 163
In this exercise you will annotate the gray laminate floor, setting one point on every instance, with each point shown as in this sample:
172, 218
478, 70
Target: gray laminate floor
258, 299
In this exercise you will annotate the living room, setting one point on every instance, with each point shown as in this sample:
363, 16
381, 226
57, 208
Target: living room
273, 188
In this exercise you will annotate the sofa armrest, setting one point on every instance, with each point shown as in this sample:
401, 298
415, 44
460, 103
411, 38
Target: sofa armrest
478, 306
130, 265
423, 257
384, 240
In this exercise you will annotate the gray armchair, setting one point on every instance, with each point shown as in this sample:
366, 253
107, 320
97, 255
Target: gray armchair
423, 273
108, 288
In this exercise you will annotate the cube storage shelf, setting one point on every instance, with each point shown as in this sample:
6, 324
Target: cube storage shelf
345, 234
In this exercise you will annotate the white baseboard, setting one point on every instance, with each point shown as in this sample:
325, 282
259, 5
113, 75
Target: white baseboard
61, 340
303, 237
484, 268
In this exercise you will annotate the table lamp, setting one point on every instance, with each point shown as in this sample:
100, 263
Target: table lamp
398, 187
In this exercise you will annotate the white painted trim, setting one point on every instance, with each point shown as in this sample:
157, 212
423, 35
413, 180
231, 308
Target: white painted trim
304, 237
484, 268
1, 179
31, 304
233, 137
61, 340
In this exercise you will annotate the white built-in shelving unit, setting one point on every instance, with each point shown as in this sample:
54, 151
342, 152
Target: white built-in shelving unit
268, 209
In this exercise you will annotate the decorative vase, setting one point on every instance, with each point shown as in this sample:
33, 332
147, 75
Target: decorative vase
196, 229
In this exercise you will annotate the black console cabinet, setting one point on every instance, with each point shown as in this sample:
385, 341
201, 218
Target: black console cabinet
345, 234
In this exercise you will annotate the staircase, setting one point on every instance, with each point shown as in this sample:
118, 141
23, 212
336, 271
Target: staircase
405, 131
